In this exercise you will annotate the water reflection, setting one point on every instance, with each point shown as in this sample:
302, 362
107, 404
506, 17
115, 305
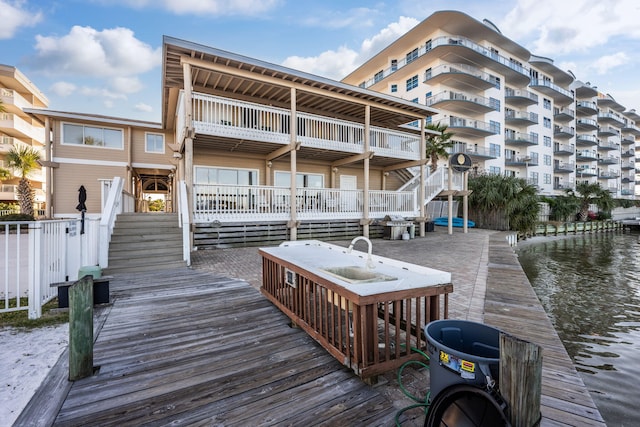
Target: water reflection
590, 288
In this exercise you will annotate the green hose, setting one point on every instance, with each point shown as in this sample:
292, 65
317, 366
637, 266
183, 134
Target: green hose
420, 403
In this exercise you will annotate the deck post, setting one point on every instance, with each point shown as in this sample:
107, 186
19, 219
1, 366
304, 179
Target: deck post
81, 328
521, 380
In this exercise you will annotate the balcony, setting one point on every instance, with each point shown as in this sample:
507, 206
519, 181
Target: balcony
607, 101
8, 192
583, 140
586, 172
586, 108
586, 124
630, 165
631, 128
608, 146
263, 128
609, 160
520, 118
559, 95
607, 131
627, 192
629, 153
461, 76
563, 132
609, 175
474, 151
563, 115
18, 127
255, 202
611, 118
564, 149
586, 155
628, 140
463, 103
459, 50
519, 138
520, 98
564, 185
471, 128
525, 161
9, 142
564, 167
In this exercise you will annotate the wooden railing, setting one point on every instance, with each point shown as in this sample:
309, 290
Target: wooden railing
228, 203
214, 115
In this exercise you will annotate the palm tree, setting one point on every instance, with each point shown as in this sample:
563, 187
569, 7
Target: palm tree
437, 145
591, 193
24, 160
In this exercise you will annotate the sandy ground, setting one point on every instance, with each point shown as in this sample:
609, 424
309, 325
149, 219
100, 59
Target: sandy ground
25, 360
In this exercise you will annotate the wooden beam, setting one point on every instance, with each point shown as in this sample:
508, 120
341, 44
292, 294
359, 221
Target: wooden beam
404, 165
353, 159
283, 151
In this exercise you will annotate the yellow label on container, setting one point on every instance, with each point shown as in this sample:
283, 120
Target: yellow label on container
444, 357
465, 365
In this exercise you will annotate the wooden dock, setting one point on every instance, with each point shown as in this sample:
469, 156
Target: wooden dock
191, 347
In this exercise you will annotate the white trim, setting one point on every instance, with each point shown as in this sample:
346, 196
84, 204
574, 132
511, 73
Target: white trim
152, 166
75, 161
257, 171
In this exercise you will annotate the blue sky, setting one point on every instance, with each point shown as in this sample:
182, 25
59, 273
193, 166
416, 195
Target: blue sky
104, 56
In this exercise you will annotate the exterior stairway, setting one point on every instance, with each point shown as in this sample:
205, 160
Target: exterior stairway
145, 242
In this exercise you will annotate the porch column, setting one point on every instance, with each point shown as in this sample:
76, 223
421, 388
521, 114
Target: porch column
365, 197
293, 224
423, 169
188, 142
48, 173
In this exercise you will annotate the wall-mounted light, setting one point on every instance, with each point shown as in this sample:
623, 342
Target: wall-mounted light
177, 155
269, 164
335, 170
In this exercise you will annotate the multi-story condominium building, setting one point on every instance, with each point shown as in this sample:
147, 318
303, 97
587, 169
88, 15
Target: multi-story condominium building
18, 129
513, 112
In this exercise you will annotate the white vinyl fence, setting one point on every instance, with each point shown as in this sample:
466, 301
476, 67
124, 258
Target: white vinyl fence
37, 253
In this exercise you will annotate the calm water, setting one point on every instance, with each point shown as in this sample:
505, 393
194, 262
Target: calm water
590, 288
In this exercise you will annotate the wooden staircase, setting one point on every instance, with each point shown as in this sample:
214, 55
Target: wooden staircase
145, 242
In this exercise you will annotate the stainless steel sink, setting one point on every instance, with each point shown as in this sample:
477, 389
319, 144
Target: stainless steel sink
357, 274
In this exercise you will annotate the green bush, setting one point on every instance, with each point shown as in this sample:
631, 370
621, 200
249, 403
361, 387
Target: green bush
17, 217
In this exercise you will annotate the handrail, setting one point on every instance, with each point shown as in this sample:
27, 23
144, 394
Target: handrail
184, 222
111, 209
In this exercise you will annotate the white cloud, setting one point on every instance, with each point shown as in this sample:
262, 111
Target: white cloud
604, 64
554, 28
146, 108
352, 18
13, 16
337, 64
207, 7
101, 93
90, 53
126, 84
63, 88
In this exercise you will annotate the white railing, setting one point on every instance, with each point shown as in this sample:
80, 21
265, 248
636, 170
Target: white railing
259, 203
118, 201
36, 254
214, 115
183, 220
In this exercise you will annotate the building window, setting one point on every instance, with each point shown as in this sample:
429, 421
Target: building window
494, 150
495, 103
303, 180
394, 65
494, 170
412, 83
427, 45
547, 141
224, 176
92, 136
378, 76
547, 159
494, 126
411, 56
394, 88
154, 143
547, 178
546, 103
547, 122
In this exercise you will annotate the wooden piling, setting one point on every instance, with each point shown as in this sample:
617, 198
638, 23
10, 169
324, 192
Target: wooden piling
81, 328
521, 380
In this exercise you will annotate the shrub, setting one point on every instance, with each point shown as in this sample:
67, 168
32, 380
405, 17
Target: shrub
17, 217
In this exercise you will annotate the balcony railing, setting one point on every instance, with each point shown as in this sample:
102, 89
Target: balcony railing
563, 131
564, 149
474, 150
466, 70
520, 138
512, 115
547, 84
586, 139
606, 145
472, 126
515, 67
255, 202
524, 95
230, 118
483, 103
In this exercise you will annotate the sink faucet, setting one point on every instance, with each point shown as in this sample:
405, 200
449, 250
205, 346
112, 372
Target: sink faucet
370, 264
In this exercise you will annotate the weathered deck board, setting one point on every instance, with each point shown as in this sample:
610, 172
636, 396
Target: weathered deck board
192, 348
512, 306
